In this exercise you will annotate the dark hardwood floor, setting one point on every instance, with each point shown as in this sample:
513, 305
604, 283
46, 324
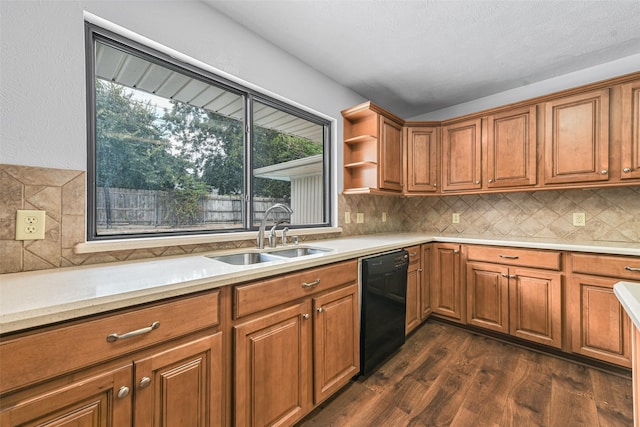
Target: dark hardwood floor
446, 376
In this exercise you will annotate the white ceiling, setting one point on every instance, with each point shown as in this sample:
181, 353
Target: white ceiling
417, 56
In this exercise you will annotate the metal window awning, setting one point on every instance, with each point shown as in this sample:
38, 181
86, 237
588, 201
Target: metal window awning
134, 72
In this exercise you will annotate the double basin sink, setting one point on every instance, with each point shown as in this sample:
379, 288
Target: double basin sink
280, 254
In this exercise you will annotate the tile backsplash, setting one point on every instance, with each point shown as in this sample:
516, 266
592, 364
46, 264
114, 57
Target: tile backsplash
613, 215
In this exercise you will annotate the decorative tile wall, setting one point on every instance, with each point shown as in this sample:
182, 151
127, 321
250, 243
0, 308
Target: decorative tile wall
613, 215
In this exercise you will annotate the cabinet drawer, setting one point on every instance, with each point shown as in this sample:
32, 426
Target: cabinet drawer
605, 265
414, 257
42, 355
519, 257
257, 296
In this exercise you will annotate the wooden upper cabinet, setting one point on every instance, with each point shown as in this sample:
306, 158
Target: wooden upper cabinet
461, 156
390, 157
630, 156
511, 148
576, 143
373, 154
422, 159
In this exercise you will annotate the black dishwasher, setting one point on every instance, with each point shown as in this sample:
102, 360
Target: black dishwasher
383, 311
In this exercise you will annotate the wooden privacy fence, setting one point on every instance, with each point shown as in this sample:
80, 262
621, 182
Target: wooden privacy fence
129, 207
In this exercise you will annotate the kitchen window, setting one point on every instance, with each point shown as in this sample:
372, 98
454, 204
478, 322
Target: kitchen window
176, 150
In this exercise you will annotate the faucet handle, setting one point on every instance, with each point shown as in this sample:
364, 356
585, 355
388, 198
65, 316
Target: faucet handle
284, 236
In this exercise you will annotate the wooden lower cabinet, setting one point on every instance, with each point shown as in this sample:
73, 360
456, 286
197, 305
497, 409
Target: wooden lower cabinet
488, 296
92, 401
181, 386
290, 359
414, 273
535, 306
273, 367
635, 372
447, 295
600, 328
177, 386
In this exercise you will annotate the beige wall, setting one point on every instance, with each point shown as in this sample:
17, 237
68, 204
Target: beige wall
613, 215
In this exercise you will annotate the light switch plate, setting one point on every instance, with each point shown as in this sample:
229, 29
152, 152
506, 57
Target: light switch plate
360, 217
384, 217
455, 218
30, 225
347, 217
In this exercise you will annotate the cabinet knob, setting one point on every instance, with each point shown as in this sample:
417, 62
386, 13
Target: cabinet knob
305, 316
626, 170
512, 276
320, 309
490, 181
420, 270
477, 182
123, 392
604, 171
144, 382
504, 275
435, 184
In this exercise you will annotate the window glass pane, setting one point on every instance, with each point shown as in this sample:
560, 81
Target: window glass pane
168, 147
288, 166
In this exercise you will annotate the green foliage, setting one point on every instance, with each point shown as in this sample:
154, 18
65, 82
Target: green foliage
184, 201
186, 152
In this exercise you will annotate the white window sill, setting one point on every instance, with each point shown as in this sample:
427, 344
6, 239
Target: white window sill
159, 242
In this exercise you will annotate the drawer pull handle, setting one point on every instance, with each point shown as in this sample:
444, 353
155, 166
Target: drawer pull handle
311, 284
631, 268
413, 253
116, 337
508, 256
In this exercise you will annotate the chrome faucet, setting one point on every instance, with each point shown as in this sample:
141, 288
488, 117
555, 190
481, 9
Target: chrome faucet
260, 238
273, 235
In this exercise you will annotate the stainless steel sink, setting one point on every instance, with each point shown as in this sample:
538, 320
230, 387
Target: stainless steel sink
246, 258
296, 252
281, 254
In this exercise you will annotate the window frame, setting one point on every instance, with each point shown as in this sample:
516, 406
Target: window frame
95, 33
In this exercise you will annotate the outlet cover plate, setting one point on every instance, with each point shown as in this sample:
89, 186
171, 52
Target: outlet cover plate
30, 225
579, 219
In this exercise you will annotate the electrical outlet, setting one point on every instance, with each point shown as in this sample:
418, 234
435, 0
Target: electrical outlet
579, 219
347, 217
455, 218
30, 225
360, 218
384, 217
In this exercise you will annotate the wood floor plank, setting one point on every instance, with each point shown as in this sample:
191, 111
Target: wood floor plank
572, 400
490, 387
612, 395
446, 376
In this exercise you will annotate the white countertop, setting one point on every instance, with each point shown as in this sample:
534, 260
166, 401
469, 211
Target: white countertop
628, 293
42, 297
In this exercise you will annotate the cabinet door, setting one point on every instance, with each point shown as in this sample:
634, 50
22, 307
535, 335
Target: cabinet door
181, 386
413, 299
424, 283
536, 305
422, 159
461, 156
336, 341
446, 291
577, 138
272, 370
511, 151
89, 402
630, 166
390, 157
488, 296
600, 328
